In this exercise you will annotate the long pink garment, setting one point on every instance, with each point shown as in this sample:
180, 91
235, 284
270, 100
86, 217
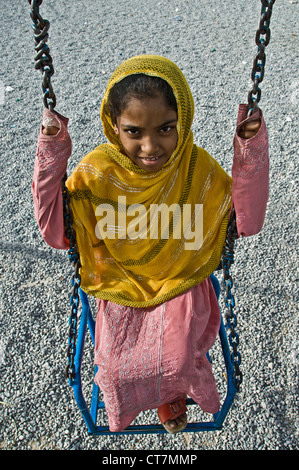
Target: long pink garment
147, 357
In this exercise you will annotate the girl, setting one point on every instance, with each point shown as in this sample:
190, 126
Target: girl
157, 310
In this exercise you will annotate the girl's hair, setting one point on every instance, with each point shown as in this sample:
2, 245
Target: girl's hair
138, 86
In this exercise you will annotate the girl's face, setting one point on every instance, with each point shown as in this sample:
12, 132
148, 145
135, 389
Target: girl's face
148, 133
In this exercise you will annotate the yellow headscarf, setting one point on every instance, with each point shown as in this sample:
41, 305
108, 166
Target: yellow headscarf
142, 271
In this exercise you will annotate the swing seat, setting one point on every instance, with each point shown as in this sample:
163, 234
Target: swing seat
94, 413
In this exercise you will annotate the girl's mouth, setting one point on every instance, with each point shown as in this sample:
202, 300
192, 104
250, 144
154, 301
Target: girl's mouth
149, 159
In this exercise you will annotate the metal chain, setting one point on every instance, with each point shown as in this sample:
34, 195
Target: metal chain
43, 58
262, 39
44, 63
231, 318
254, 97
74, 258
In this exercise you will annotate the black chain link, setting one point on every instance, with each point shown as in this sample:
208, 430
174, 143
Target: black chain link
262, 39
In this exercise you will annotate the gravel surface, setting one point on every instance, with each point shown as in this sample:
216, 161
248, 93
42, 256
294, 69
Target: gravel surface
213, 43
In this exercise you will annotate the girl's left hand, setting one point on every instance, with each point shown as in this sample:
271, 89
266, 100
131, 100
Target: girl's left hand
249, 129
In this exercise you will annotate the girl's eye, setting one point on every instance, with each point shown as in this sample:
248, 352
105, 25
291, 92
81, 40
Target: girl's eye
166, 129
132, 131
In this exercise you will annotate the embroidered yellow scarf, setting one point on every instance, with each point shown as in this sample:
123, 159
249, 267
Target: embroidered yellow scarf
145, 238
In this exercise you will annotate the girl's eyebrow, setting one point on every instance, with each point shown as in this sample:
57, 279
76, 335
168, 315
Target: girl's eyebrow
131, 126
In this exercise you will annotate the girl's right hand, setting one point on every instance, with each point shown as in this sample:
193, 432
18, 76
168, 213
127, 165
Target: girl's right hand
50, 125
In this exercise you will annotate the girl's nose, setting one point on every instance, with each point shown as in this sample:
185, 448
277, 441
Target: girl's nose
149, 146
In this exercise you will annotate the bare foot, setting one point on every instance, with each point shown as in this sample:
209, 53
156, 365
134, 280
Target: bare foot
178, 422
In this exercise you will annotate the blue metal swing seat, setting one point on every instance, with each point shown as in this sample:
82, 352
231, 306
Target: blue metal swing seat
97, 407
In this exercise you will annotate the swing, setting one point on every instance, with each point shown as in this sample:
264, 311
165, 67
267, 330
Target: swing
78, 327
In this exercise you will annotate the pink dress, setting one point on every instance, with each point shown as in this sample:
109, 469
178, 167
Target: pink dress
150, 356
